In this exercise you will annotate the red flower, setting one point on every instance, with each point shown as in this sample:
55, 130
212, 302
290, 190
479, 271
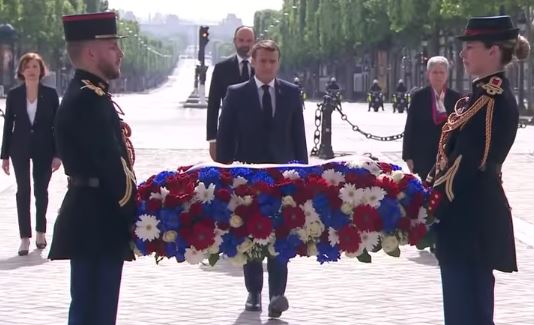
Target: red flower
349, 239
171, 201
360, 180
391, 188
366, 218
226, 177
302, 250
144, 190
386, 168
157, 246
262, 188
317, 184
182, 186
186, 219
243, 190
404, 224
202, 236
293, 217
153, 206
195, 209
416, 234
259, 227
182, 169
223, 226
223, 194
332, 193
275, 174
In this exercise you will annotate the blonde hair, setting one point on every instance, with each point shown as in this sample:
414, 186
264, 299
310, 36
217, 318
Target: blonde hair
516, 48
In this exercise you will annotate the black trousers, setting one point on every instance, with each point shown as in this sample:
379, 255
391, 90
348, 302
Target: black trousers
94, 288
42, 172
468, 297
253, 272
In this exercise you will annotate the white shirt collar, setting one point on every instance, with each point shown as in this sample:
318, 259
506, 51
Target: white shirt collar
240, 59
259, 83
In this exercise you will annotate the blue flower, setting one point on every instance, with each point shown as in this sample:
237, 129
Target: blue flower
262, 176
141, 246
169, 219
218, 210
327, 253
342, 168
337, 220
389, 213
269, 205
181, 245
241, 171
321, 204
209, 175
395, 167
229, 244
288, 189
141, 209
161, 178
287, 248
170, 249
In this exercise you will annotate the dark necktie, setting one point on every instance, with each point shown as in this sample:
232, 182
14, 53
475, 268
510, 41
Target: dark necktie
267, 106
244, 71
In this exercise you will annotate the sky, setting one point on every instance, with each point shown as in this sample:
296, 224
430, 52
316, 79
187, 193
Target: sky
197, 10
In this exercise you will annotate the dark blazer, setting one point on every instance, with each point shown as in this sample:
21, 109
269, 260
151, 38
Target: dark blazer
21, 139
421, 134
242, 137
476, 222
93, 221
225, 73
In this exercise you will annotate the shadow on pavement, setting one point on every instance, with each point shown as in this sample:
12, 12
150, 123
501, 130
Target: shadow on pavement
224, 266
253, 318
15, 262
426, 258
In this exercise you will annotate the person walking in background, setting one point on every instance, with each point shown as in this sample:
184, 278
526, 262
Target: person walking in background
428, 111
29, 136
475, 232
262, 122
231, 71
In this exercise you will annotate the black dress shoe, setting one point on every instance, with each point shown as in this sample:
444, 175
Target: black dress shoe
253, 302
277, 306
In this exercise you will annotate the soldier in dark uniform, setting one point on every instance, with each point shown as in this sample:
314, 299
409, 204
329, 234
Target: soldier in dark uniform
98, 211
475, 233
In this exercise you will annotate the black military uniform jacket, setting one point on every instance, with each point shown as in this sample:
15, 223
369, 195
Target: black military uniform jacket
475, 218
93, 220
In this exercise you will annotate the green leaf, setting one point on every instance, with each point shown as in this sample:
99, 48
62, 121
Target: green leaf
427, 241
213, 259
364, 257
395, 253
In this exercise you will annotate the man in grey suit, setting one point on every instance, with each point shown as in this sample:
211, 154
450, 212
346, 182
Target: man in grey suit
262, 122
228, 72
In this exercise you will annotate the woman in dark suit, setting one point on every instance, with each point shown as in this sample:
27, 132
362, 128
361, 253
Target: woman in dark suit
29, 135
427, 113
475, 234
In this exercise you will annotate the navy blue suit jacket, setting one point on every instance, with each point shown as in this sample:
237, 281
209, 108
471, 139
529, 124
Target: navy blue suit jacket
241, 135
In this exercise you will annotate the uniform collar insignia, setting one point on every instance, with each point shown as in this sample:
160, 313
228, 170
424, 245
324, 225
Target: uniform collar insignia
493, 87
89, 85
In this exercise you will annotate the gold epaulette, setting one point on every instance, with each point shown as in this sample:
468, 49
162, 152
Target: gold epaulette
130, 181
493, 87
89, 85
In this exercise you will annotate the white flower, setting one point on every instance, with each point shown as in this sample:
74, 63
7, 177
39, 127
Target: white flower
347, 209
238, 181
147, 228
369, 239
238, 260
309, 211
214, 248
421, 216
350, 195
332, 177
236, 221
333, 237
311, 249
389, 243
373, 196
291, 174
245, 246
203, 194
397, 175
161, 195
372, 167
265, 241
170, 236
236, 201
356, 253
288, 201
193, 256
315, 229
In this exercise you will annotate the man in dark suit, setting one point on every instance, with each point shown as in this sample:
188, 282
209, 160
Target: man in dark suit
231, 71
98, 211
427, 113
262, 122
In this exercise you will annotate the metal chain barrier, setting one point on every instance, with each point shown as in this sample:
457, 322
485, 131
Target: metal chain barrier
317, 132
368, 135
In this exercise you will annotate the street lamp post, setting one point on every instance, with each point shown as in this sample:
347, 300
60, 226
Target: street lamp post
423, 59
521, 23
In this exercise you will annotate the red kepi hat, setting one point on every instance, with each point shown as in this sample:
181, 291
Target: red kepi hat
94, 26
495, 28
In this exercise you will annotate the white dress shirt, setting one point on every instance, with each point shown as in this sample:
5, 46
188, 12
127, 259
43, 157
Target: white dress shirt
440, 101
32, 109
259, 84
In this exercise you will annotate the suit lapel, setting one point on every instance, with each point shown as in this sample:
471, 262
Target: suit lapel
236, 69
40, 104
279, 93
